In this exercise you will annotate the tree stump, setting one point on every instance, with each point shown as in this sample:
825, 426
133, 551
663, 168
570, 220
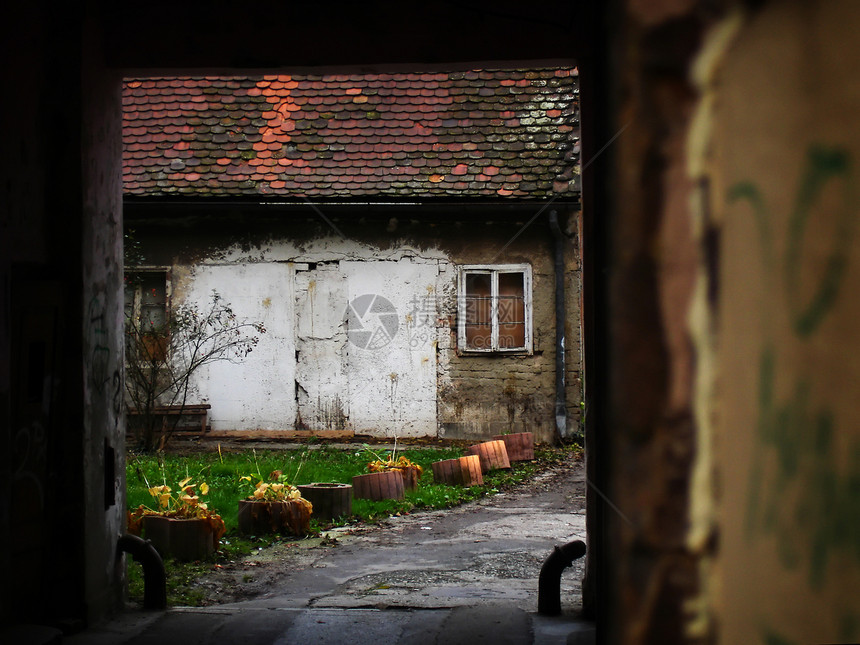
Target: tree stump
377, 486
493, 455
520, 445
463, 471
330, 500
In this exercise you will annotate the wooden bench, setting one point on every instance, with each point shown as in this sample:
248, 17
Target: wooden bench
198, 411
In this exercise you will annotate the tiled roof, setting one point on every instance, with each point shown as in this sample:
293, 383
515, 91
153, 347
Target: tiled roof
482, 133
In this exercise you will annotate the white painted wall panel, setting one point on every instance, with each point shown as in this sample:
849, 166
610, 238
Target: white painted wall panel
259, 391
308, 371
321, 386
392, 386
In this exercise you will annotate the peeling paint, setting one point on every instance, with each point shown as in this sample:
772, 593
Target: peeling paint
321, 379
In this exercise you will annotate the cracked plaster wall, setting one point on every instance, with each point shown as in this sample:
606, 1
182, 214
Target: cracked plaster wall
309, 373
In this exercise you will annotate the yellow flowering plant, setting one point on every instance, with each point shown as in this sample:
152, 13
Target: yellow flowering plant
183, 502
392, 462
274, 488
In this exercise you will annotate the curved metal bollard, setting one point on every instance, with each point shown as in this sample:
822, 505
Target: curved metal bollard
154, 577
549, 583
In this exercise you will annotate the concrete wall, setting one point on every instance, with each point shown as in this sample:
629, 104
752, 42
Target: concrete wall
480, 396
312, 370
785, 423
103, 436
732, 412
61, 452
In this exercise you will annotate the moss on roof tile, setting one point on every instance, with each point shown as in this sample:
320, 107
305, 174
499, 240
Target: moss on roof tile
502, 133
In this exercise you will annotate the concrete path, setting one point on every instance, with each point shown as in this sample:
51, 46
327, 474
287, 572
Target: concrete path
465, 575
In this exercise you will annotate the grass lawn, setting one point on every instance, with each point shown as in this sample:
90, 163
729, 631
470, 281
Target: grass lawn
222, 470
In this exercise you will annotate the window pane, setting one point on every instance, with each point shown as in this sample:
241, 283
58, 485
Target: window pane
512, 311
153, 301
479, 310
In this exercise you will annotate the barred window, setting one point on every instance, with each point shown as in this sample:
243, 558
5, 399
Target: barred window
494, 308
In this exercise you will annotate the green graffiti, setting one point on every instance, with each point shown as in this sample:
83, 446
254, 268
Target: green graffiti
823, 164
772, 638
810, 509
764, 431
796, 494
746, 190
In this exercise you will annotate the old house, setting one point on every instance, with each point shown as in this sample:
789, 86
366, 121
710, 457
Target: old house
409, 241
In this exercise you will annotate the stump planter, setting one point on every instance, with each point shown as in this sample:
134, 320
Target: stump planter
410, 477
463, 471
493, 455
330, 500
184, 540
258, 517
520, 445
376, 486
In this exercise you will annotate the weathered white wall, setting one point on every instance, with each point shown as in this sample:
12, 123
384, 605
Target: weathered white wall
321, 390
257, 392
318, 370
305, 373
392, 388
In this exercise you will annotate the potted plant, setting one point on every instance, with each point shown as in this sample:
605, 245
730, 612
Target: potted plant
273, 506
410, 471
460, 471
330, 500
181, 526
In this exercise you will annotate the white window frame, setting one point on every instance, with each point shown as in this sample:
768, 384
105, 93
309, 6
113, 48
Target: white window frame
493, 270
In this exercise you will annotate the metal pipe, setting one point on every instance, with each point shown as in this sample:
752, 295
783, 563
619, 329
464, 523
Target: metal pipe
560, 322
549, 582
154, 577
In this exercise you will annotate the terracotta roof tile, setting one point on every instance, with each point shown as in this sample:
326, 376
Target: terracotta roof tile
481, 133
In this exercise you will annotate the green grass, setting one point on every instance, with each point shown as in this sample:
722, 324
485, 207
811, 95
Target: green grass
321, 464
222, 472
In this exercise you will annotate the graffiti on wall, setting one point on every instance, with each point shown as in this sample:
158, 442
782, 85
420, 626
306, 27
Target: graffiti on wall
99, 349
104, 380
799, 492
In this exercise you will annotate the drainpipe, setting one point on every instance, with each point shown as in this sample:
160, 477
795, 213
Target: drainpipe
549, 582
154, 577
560, 319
